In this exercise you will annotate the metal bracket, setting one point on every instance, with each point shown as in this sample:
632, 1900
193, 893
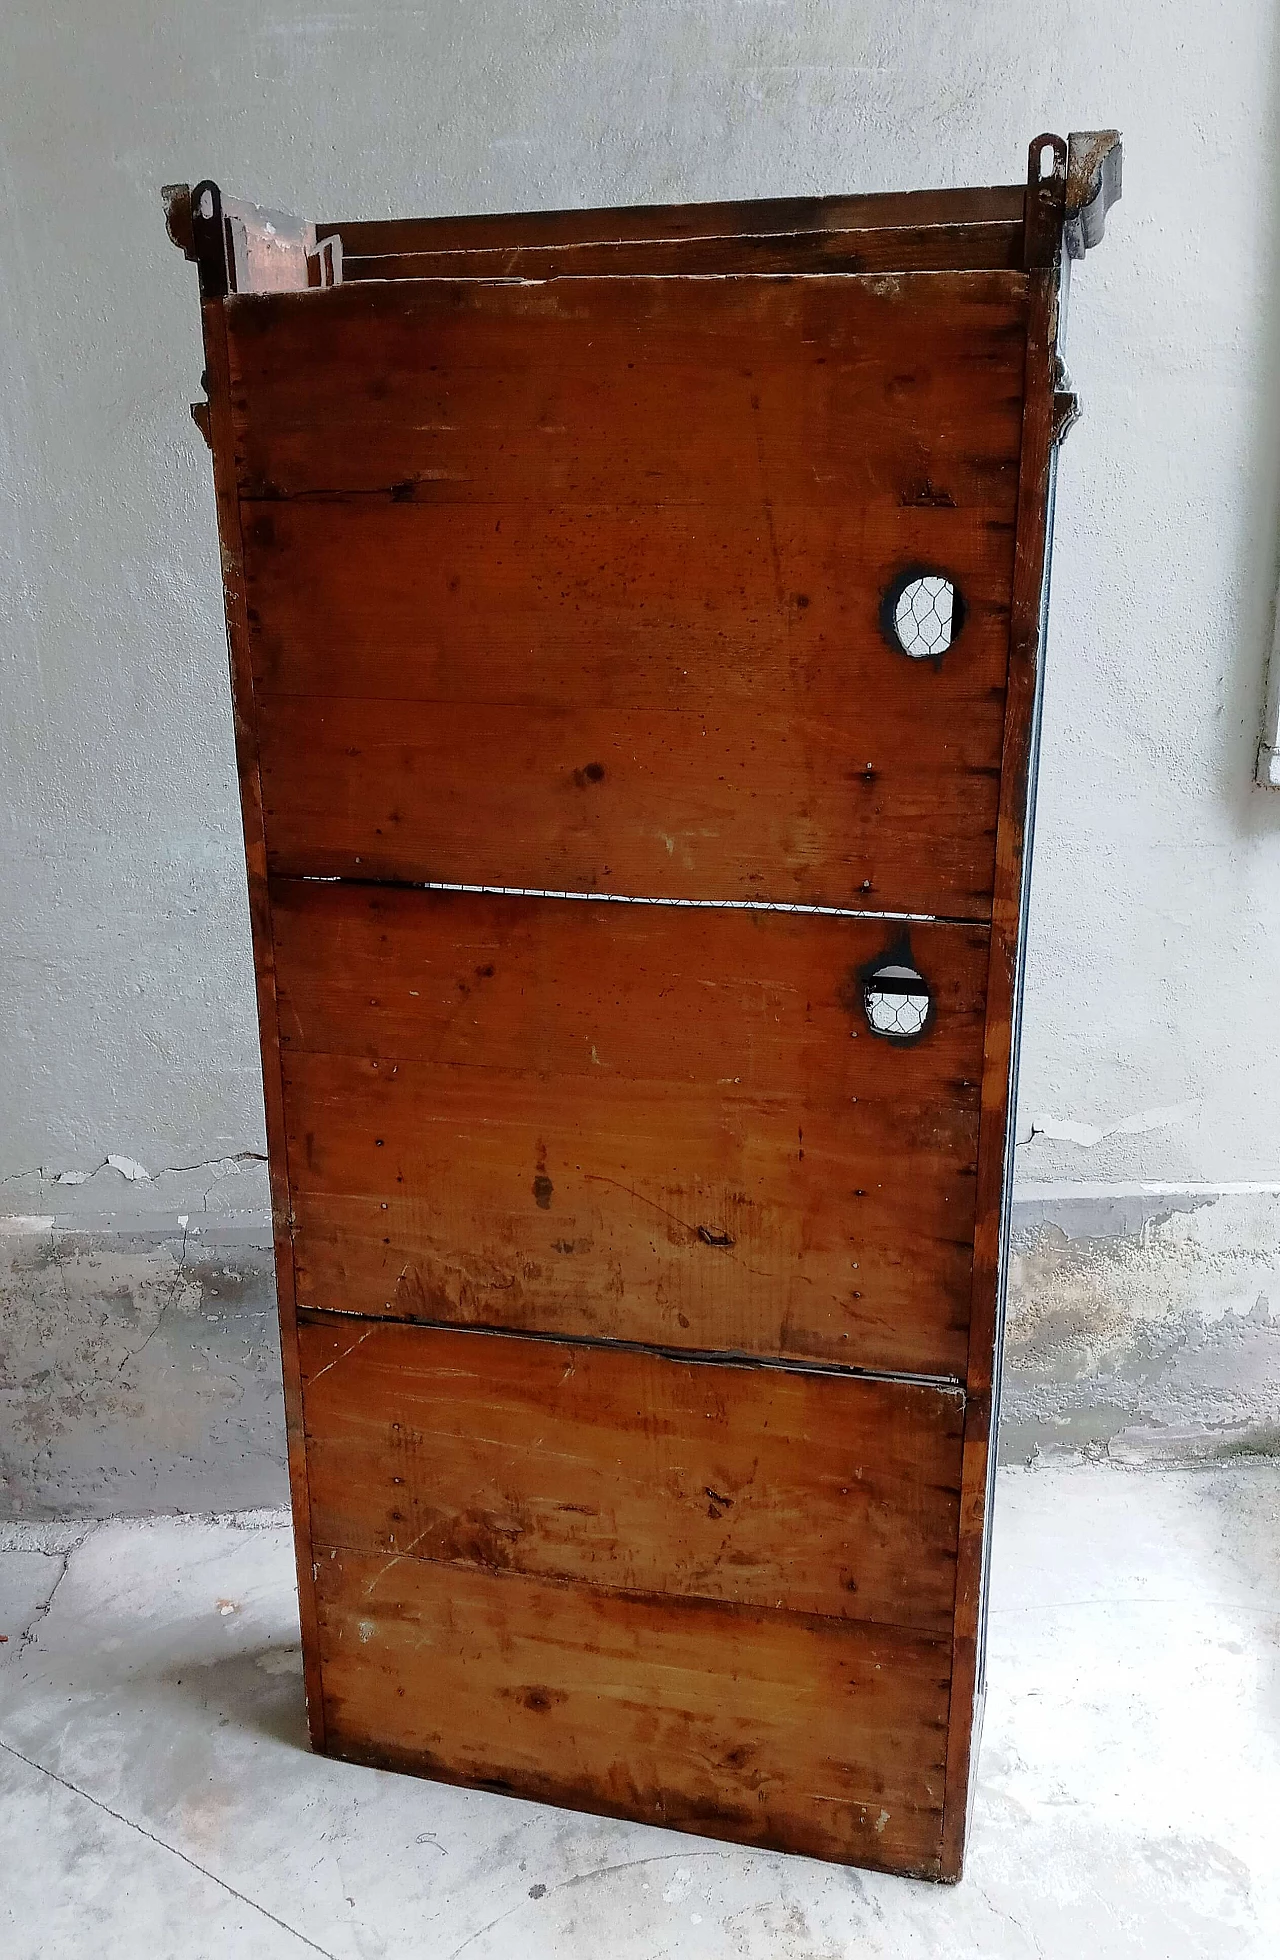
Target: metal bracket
1066, 403
1066, 413
1095, 159
1046, 193
243, 248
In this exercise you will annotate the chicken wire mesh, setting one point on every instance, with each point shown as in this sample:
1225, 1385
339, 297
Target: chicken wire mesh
924, 618
897, 1002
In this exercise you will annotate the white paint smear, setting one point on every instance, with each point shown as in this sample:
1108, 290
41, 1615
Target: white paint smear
1061, 1129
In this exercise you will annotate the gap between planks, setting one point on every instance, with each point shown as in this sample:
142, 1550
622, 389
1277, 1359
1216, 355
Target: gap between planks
626, 898
648, 242
1017, 280
700, 1357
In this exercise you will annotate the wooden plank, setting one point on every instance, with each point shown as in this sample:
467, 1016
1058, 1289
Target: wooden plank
735, 223
664, 1065
774, 806
917, 248
817, 1493
766, 1002
655, 1212
555, 606
888, 803
774, 1729
771, 391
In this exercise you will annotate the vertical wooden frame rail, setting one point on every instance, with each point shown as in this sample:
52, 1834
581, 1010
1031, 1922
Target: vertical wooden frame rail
535, 1160
197, 226
1045, 222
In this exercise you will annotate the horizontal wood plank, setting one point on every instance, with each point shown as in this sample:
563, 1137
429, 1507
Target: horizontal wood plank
772, 391
907, 248
724, 805
808, 1735
726, 1000
735, 223
413, 750
638, 607
634, 1471
646, 1212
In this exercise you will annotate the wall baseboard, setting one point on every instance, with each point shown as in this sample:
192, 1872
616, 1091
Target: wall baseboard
1144, 1322
140, 1370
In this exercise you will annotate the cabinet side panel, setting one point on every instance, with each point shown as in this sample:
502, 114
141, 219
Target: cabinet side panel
222, 443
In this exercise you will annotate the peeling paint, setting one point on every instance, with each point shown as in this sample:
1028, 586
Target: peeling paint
129, 1167
1065, 1130
1143, 1327
136, 1375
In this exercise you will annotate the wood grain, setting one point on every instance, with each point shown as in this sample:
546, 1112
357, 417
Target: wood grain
734, 225
780, 391
727, 805
249, 782
572, 1098
634, 607
775, 1729
515, 697
633, 1471
725, 999
915, 248
662, 1213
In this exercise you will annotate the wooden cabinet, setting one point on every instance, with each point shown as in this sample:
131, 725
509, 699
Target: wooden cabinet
636, 634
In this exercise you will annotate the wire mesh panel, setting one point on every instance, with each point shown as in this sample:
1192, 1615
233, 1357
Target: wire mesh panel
922, 614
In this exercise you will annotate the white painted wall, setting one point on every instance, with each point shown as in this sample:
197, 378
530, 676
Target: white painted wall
1155, 942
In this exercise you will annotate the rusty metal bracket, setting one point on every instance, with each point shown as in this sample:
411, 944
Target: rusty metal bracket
1046, 195
176, 199
1095, 159
1066, 403
1066, 413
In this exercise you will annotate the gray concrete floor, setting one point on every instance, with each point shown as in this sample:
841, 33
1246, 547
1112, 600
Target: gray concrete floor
157, 1796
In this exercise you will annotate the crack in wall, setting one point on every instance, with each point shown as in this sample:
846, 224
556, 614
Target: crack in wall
169, 1297
135, 1173
64, 1558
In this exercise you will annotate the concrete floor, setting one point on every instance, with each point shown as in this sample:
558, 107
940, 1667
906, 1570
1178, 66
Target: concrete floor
157, 1796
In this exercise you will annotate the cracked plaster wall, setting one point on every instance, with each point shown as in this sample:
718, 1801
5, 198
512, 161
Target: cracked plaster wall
139, 1356
124, 966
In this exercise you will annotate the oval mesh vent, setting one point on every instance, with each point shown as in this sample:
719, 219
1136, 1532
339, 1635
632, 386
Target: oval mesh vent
922, 613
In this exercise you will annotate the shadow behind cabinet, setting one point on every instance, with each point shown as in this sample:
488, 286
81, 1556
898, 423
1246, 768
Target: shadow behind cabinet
641, 1264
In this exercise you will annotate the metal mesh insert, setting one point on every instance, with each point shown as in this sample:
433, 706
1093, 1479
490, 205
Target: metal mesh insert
897, 1002
924, 616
